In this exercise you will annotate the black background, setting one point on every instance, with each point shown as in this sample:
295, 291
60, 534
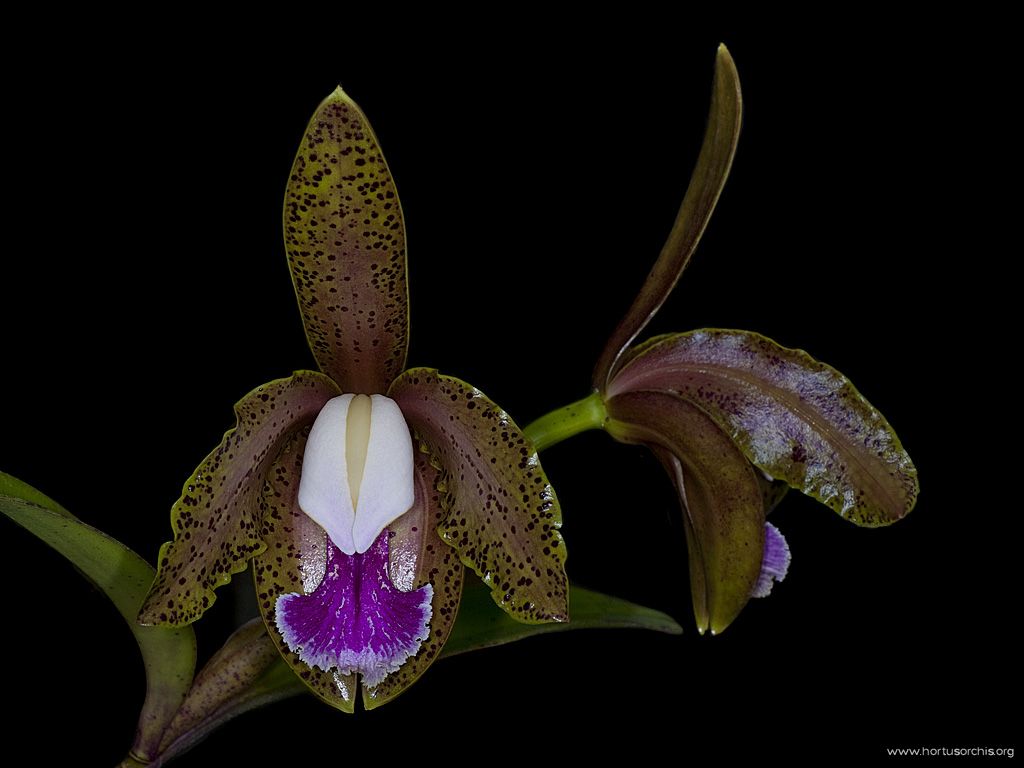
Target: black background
144, 290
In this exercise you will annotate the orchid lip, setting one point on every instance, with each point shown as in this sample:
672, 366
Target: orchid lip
774, 563
357, 475
356, 620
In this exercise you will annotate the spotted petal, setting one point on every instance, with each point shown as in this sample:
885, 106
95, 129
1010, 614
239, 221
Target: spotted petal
225, 680
502, 513
723, 504
797, 419
706, 183
345, 238
215, 521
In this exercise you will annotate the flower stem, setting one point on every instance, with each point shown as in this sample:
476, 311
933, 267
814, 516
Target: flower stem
556, 426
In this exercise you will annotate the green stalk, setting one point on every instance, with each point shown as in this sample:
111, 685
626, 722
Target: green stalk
556, 426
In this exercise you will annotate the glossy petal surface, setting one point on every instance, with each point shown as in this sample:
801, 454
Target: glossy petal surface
295, 560
797, 419
418, 557
356, 620
216, 520
713, 164
502, 513
722, 500
345, 238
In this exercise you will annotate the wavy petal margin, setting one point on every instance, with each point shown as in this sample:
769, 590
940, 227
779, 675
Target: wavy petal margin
216, 520
356, 620
775, 564
723, 504
502, 513
345, 238
706, 183
795, 418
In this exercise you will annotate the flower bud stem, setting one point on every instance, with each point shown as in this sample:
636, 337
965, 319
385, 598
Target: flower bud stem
556, 426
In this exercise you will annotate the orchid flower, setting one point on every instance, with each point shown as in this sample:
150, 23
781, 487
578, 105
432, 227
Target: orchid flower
362, 490
359, 491
734, 417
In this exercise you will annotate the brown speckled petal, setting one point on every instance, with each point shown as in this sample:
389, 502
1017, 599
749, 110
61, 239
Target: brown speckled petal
345, 238
215, 521
502, 513
225, 678
797, 419
294, 561
418, 557
723, 504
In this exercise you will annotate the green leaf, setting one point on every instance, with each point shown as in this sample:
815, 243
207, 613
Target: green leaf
247, 672
18, 489
706, 183
502, 513
795, 418
345, 237
216, 520
169, 655
480, 626
723, 504
418, 556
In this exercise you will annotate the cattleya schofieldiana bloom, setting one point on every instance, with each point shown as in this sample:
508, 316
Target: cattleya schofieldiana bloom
735, 418
358, 529
361, 491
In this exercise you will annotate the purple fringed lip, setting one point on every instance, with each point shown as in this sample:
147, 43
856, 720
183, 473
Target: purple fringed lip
774, 563
356, 620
